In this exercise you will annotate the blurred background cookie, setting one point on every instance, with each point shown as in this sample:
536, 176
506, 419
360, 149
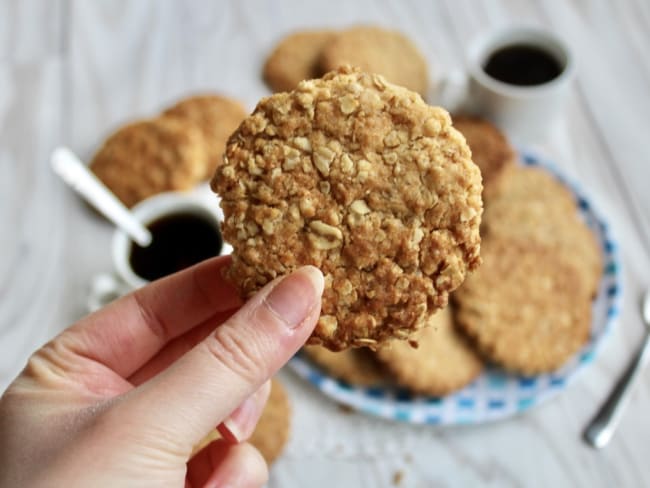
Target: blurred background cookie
491, 151
525, 308
216, 117
442, 362
151, 156
518, 183
295, 58
531, 205
356, 366
377, 50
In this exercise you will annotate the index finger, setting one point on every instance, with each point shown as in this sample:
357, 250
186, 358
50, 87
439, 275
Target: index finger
130, 331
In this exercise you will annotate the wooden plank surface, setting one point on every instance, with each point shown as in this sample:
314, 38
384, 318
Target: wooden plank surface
71, 71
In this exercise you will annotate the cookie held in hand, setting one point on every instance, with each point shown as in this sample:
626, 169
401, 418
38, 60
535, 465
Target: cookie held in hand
367, 182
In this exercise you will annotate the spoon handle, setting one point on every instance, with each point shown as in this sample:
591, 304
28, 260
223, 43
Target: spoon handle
68, 166
601, 429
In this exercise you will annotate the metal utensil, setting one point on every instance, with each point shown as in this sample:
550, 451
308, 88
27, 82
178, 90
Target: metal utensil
71, 170
602, 428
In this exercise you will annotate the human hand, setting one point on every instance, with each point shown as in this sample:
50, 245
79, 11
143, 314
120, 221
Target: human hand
121, 397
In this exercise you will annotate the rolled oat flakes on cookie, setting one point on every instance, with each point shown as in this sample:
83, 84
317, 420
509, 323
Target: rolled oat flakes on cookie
364, 180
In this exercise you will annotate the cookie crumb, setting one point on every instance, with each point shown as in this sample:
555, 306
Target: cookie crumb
398, 477
346, 409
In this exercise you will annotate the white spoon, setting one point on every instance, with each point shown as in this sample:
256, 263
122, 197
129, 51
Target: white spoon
71, 170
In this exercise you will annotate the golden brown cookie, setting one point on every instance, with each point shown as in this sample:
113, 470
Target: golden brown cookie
518, 183
525, 308
272, 431
491, 151
147, 157
443, 361
216, 117
364, 180
549, 218
356, 366
377, 50
295, 58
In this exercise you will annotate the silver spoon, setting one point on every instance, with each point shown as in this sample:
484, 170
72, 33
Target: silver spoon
602, 428
71, 170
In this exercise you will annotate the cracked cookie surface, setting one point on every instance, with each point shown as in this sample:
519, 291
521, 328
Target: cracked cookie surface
364, 180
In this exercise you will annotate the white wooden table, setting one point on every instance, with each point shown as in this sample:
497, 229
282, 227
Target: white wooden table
70, 71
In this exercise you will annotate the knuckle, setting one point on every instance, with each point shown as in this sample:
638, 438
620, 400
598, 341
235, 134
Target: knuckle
155, 323
241, 353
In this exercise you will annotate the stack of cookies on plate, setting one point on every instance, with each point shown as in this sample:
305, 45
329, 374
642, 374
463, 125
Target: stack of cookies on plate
175, 151
526, 309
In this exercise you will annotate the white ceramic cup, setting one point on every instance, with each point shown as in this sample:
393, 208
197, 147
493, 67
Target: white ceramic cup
525, 113
106, 287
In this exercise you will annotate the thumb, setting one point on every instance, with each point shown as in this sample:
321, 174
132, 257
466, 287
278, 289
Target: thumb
204, 386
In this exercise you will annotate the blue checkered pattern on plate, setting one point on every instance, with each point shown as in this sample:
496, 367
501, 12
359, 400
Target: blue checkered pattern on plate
495, 394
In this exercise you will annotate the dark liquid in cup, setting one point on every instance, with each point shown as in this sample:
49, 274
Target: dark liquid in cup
179, 241
523, 65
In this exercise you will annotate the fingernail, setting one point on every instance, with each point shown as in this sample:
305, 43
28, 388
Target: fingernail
295, 296
241, 423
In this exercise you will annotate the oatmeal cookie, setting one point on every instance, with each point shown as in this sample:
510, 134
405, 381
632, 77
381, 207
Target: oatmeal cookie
518, 183
491, 151
376, 50
216, 117
526, 308
364, 180
356, 366
443, 361
148, 157
551, 219
294, 59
